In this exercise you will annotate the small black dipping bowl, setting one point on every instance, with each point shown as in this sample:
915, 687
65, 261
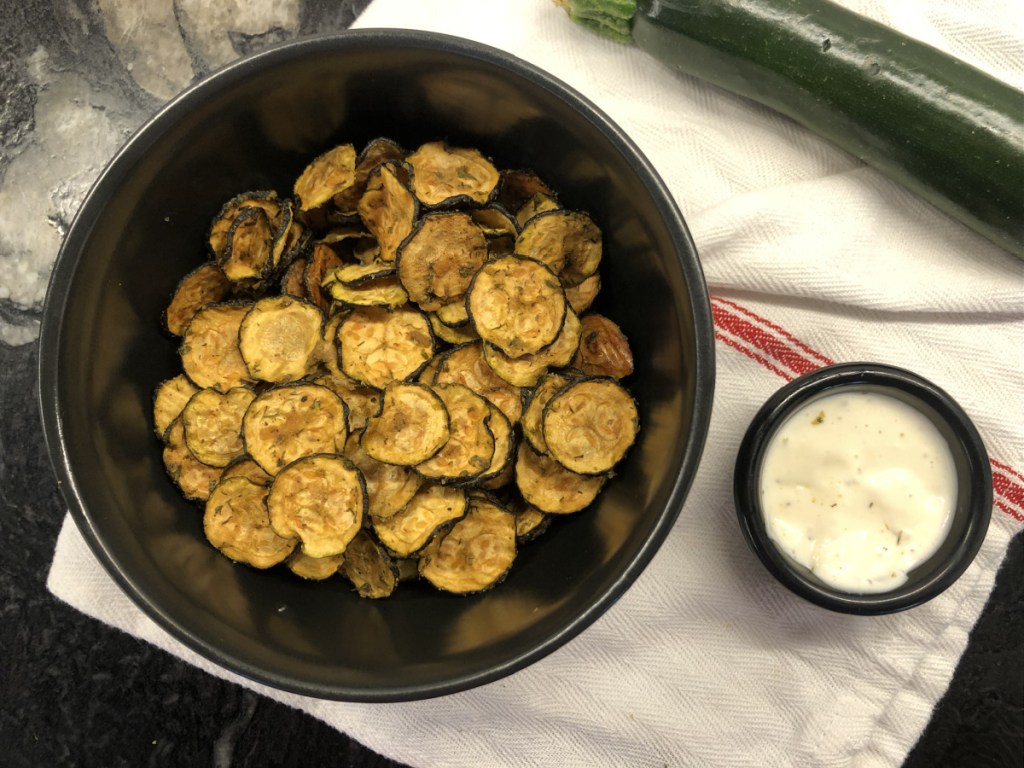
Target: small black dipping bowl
974, 477
255, 125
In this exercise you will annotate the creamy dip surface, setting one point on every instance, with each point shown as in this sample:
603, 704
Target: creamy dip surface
860, 488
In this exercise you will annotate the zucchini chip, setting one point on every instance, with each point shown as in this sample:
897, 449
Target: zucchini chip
411, 427
582, 295
465, 364
516, 304
280, 339
194, 478
362, 402
469, 451
376, 152
313, 568
209, 347
527, 370
288, 422
434, 508
495, 221
204, 285
237, 523
356, 274
603, 349
213, 424
539, 203
552, 488
454, 315
569, 242
245, 467
378, 346
328, 175
590, 424
322, 262
517, 186
533, 414
384, 292
248, 256
388, 209
169, 400
439, 258
266, 200
293, 282
321, 500
369, 567
504, 445
389, 487
444, 175
476, 553
463, 334
530, 523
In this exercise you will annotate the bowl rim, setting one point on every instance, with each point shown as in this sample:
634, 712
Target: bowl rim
149, 133
975, 473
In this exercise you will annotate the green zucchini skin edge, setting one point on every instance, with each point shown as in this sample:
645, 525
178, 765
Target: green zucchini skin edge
944, 129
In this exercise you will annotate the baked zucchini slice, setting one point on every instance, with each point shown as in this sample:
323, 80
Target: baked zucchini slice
245, 467
378, 346
290, 421
353, 275
280, 339
168, 402
530, 522
362, 402
204, 285
539, 203
552, 488
437, 261
248, 256
209, 347
384, 292
465, 364
434, 508
582, 295
590, 424
411, 427
527, 370
603, 349
389, 487
533, 414
455, 335
369, 567
469, 450
293, 281
313, 568
321, 501
517, 304
328, 175
445, 175
569, 242
193, 478
377, 151
454, 315
476, 553
495, 221
323, 260
504, 445
237, 523
388, 209
266, 200
517, 186
213, 424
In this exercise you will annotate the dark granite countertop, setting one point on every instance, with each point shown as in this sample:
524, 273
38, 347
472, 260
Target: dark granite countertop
76, 692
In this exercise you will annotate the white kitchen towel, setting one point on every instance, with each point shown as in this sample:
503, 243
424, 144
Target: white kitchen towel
811, 258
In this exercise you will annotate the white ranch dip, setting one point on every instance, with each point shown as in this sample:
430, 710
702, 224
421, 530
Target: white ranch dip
859, 487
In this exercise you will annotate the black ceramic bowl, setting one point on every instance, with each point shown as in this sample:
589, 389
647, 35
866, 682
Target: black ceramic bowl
255, 125
971, 514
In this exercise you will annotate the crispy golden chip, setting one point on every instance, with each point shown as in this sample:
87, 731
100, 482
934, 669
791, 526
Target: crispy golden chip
209, 347
384, 292
411, 427
378, 346
589, 425
357, 274
437, 261
293, 282
518, 186
266, 200
389, 487
290, 421
537, 204
582, 295
248, 257
476, 553
213, 424
280, 339
369, 567
527, 370
530, 522
322, 261
321, 500
363, 402
516, 304
456, 335
465, 364
313, 568
194, 478
374, 153
504, 445
236, 522
432, 509
245, 467
469, 450
552, 488
569, 242
169, 400
454, 315
444, 175
388, 209
533, 414
204, 285
495, 220
328, 175
603, 348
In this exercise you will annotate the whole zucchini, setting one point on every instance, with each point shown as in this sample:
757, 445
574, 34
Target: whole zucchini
944, 129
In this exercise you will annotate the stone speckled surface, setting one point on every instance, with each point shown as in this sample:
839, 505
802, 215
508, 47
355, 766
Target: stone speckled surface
76, 77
